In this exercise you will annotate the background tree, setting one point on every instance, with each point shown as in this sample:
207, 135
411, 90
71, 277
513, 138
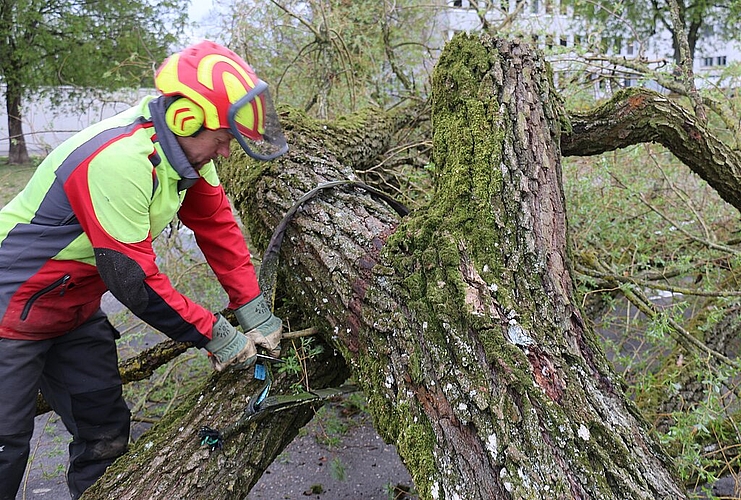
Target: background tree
331, 57
82, 44
638, 21
615, 27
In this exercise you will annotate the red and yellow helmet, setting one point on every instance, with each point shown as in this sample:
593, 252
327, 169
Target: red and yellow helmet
216, 90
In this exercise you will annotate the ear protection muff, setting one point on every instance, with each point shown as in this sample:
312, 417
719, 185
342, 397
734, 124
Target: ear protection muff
184, 117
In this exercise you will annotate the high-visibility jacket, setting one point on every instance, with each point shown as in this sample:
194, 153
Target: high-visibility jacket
85, 222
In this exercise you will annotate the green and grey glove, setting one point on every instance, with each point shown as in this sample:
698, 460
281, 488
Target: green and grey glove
260, 324
229, 346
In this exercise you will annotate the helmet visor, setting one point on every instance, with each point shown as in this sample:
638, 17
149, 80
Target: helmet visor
254, 123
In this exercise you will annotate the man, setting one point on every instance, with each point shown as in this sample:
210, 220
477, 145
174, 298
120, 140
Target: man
84, 224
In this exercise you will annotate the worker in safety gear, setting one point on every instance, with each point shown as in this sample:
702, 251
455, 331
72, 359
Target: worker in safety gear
84, 224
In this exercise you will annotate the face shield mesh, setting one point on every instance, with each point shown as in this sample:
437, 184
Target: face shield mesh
254, 123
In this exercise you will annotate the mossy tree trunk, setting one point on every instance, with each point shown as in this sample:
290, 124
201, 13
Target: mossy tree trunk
472, 349
459, 321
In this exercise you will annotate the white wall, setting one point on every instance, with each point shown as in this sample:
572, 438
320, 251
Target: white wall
45, 127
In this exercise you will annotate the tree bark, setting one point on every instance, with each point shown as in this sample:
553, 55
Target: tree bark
459, 322
17, 151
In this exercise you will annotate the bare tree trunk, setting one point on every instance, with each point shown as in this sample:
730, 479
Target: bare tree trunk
17, 152
459, 322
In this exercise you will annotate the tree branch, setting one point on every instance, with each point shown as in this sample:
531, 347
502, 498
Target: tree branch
637, 115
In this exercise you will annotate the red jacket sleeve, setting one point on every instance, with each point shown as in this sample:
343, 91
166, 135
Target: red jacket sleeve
206, 210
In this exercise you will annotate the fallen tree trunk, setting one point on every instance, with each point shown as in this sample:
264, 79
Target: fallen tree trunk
459, 322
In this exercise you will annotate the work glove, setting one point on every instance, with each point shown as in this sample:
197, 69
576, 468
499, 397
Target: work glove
261, 325
229, 346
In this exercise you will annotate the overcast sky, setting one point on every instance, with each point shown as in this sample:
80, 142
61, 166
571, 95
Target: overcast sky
197, 12
199, 8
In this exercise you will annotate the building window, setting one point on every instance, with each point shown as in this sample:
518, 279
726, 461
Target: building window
709, 62
629, 49
535, 7
563, 42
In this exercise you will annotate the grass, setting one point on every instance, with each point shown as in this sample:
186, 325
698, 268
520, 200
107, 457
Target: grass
13, 178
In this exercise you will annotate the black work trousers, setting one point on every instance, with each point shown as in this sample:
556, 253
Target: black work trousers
78, 375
